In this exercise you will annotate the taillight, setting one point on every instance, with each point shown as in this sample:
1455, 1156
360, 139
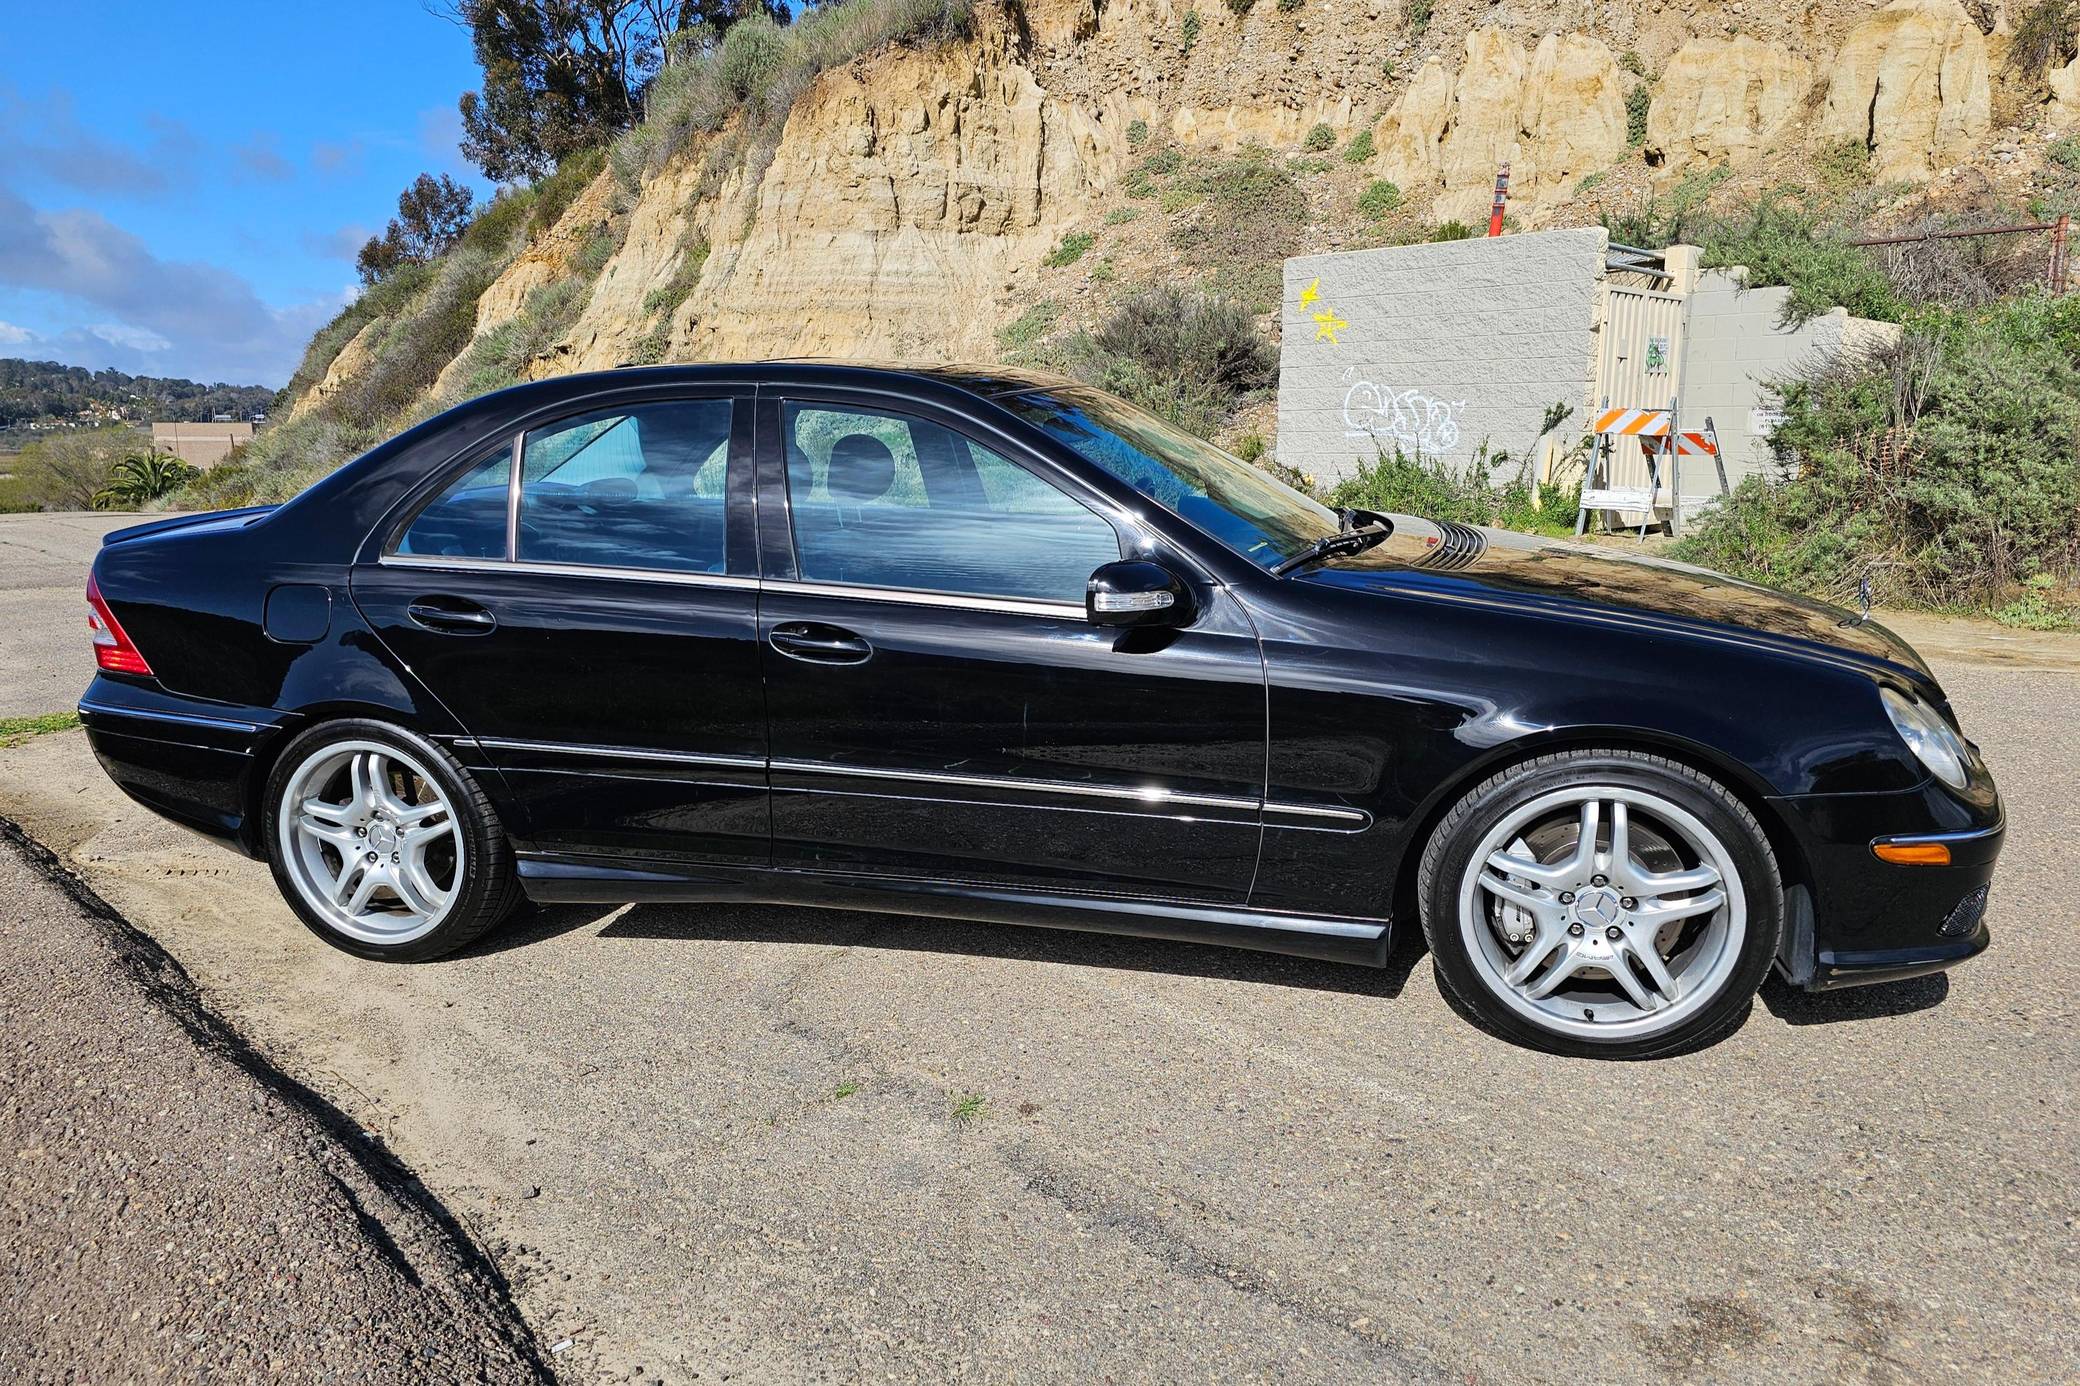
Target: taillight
112, 648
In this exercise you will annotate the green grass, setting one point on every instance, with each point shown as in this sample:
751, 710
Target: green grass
970, 1106
845, 1089
15, 730
1070, 250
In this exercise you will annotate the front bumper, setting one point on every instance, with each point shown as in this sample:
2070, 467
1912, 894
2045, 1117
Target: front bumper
1863, 920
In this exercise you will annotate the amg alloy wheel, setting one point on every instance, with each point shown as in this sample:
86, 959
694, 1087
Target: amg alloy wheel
383, 844
1605, 903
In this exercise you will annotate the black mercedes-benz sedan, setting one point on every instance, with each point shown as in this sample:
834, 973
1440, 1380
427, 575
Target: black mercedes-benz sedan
999, 647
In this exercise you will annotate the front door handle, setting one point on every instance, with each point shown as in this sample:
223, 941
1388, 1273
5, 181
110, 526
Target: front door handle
451, 616
815, 643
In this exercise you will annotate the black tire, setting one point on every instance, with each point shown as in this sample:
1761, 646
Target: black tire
489, 889
1447, 857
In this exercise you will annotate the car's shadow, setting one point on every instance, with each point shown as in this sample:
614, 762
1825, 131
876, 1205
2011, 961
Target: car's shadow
1795, 1007
917, 934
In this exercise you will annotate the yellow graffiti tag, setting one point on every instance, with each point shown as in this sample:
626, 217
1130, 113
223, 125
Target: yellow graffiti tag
1327, 325
1312, 292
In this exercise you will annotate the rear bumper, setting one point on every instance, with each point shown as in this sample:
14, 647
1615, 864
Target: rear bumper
1870, 921
184, 758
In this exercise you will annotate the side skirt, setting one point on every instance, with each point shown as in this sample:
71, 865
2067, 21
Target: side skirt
549, 879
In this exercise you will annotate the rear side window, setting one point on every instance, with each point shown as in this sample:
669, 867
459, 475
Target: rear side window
468, 520
641, 487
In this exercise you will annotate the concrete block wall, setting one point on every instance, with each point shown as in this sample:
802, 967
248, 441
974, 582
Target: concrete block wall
1735, 350
1436, 348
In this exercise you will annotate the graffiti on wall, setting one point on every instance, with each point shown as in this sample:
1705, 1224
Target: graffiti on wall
1407, 419
1326, 323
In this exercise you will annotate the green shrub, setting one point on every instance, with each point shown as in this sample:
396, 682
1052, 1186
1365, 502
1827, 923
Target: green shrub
1843, 166
1319, 138
1240, 8
2065, 153
693, 255
1120, 216
753, 52
1249, 447
1025, 332
1416, 14
1070, 250
1189, 30
1193, 358
1451, 231
1633, 63
1787, 243
1950, 456
1360, 147
1379, 198
1163, 162
1252, 216
1288, 6
1637, 102
1137, 133
554, 195
1397, 483
2048, 36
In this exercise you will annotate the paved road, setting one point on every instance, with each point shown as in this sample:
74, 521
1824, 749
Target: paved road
44, 658
172, 1207
789, 1145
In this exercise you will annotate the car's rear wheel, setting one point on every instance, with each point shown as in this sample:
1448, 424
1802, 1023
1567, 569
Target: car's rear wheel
383, 844
1602, 903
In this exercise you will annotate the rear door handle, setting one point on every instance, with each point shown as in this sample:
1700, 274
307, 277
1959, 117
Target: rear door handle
451, 616
815, 643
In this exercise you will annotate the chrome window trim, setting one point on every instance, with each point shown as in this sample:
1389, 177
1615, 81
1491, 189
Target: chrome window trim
507, 565
184, 718
912, 596
1342, 815
513, 496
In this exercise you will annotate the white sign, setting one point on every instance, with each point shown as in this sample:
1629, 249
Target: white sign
1763, 422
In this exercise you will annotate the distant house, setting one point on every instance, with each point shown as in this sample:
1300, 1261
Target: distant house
200, 444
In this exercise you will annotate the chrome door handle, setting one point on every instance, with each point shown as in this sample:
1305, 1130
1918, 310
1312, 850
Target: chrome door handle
458, 618
815, 643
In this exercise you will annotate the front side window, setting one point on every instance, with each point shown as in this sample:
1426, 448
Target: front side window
887, 500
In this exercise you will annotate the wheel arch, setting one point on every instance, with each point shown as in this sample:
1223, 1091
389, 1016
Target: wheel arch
268, 755
1792, 863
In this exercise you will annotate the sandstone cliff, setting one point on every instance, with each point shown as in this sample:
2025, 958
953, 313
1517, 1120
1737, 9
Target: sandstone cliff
918, 198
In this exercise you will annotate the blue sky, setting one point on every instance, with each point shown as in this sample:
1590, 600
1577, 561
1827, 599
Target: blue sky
183, 187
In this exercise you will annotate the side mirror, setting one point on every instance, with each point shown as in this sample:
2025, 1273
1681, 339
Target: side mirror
1137, 594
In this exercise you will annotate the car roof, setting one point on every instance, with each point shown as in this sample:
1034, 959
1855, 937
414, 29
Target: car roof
985, 381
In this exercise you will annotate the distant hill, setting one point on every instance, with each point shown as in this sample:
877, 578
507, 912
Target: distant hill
32, 391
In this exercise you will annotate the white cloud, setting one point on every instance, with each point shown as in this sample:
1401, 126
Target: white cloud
123, 335
191, 319
11, 335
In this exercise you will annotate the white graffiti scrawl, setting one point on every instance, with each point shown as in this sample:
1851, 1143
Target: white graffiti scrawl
1408, 419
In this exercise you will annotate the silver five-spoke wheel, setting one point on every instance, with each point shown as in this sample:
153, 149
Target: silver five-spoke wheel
370, 842
1603, 911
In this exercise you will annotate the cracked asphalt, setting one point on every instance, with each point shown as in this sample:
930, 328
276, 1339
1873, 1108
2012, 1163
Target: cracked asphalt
765, 1144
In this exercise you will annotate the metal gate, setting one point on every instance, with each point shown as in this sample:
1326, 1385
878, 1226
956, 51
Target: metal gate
1640, 367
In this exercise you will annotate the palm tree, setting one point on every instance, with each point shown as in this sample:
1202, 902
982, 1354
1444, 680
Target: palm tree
142, 477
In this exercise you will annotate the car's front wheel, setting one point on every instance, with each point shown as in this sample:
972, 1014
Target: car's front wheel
383, 844
1602, 903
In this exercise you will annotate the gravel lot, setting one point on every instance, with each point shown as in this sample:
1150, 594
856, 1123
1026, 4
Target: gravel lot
171, 1205
790, 1145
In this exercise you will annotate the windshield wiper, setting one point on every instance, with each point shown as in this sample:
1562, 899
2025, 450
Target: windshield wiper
1354, 537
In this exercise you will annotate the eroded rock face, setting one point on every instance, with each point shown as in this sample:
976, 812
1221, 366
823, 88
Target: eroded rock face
1554, 118
1911, 83
2065, 94
1725, 100
353, 359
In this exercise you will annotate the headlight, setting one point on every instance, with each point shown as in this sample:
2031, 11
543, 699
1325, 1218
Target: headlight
1928, 736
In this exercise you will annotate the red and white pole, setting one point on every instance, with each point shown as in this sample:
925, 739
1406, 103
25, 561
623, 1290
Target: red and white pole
1501, 200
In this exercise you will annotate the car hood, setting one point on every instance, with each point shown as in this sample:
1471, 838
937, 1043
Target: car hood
1605, 580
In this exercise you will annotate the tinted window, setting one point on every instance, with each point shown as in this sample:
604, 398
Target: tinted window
468, 520
1245, 508
632, 488
884, 500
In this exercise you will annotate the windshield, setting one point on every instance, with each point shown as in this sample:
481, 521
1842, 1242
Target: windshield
1250, 511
